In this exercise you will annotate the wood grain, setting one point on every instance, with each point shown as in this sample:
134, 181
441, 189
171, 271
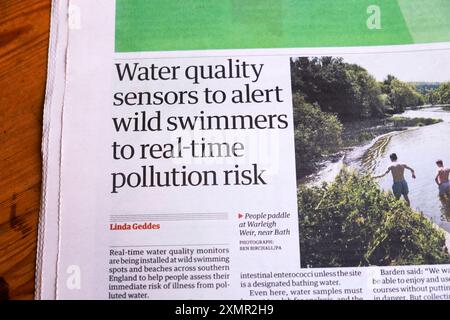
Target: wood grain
24, 34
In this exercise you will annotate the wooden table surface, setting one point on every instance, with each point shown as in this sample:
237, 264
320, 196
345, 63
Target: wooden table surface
24, 33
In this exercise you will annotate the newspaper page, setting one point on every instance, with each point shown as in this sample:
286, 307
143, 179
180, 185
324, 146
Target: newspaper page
246, 150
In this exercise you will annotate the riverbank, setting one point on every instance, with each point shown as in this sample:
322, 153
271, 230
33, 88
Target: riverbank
359, 137
351, 222
359, 132
417, 146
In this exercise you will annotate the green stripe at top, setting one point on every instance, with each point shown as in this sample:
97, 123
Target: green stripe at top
160, 25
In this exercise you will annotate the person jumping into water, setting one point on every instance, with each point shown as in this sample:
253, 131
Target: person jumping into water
442, 180
400, 186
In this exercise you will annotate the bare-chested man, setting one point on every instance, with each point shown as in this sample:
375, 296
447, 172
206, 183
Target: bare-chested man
442, 180
400, 186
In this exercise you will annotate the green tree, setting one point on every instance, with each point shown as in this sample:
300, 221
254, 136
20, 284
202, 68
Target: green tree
443, 93
386, 84
351, 222
432, 97
401, 95
338, 87
317, 135
367, 94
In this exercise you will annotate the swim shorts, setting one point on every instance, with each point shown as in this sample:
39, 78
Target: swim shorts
400, 188
444, 188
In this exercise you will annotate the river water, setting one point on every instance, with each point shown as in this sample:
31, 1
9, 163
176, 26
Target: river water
417, 147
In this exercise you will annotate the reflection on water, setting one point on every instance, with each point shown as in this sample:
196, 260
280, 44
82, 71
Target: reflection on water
419, 148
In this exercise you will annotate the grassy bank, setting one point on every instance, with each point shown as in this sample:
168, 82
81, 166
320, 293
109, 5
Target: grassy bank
352, 222
398, 121
358, 132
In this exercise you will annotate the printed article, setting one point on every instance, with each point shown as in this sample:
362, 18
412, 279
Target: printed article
242, 172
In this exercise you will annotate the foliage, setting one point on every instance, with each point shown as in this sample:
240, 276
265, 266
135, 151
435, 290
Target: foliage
428, 91
431, 97
412, 122
439, 95
401, 95
351, 222
442, 94
326, 91
338, 87
317, 135
424, 87
357, 132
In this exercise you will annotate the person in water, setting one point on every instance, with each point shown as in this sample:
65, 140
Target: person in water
400, 186
442, 180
